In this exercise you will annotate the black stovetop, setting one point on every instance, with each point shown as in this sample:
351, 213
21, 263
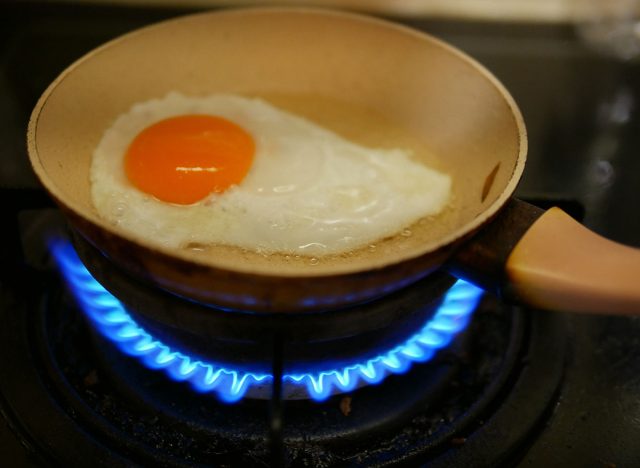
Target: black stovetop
582, 115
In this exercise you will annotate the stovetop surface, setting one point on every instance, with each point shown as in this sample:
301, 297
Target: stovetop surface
581, 111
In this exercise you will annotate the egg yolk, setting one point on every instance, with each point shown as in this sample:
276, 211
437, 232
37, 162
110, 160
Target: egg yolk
183, 159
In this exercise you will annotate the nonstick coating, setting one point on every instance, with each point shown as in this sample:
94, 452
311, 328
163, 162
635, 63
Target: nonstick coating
464, 115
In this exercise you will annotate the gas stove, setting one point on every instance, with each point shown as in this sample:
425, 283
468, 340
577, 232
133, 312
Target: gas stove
465, 380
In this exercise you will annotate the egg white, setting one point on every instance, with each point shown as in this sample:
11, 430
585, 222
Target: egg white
308, 192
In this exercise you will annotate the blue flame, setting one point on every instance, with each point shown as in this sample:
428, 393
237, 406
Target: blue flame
112, 320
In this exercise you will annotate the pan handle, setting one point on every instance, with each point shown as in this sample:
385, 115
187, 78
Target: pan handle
549, 260
560, 264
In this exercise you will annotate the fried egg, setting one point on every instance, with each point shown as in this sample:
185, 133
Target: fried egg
231, 170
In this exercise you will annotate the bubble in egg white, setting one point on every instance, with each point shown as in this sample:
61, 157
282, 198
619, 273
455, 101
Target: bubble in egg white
309, 191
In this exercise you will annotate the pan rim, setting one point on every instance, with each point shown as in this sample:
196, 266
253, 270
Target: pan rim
320, 270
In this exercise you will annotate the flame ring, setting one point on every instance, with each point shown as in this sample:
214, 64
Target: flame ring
112, 320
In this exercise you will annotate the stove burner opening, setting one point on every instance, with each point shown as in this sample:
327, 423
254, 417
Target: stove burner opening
111, 319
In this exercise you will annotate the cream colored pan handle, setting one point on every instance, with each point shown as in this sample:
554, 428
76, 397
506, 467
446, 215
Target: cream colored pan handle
550, 261
560, 264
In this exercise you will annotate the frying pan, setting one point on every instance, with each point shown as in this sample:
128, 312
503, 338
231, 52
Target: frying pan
337, 61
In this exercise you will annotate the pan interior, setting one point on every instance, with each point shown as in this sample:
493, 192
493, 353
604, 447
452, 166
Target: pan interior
390, 87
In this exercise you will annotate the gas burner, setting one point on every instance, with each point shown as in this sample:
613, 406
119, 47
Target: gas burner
485, 395
111, 319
